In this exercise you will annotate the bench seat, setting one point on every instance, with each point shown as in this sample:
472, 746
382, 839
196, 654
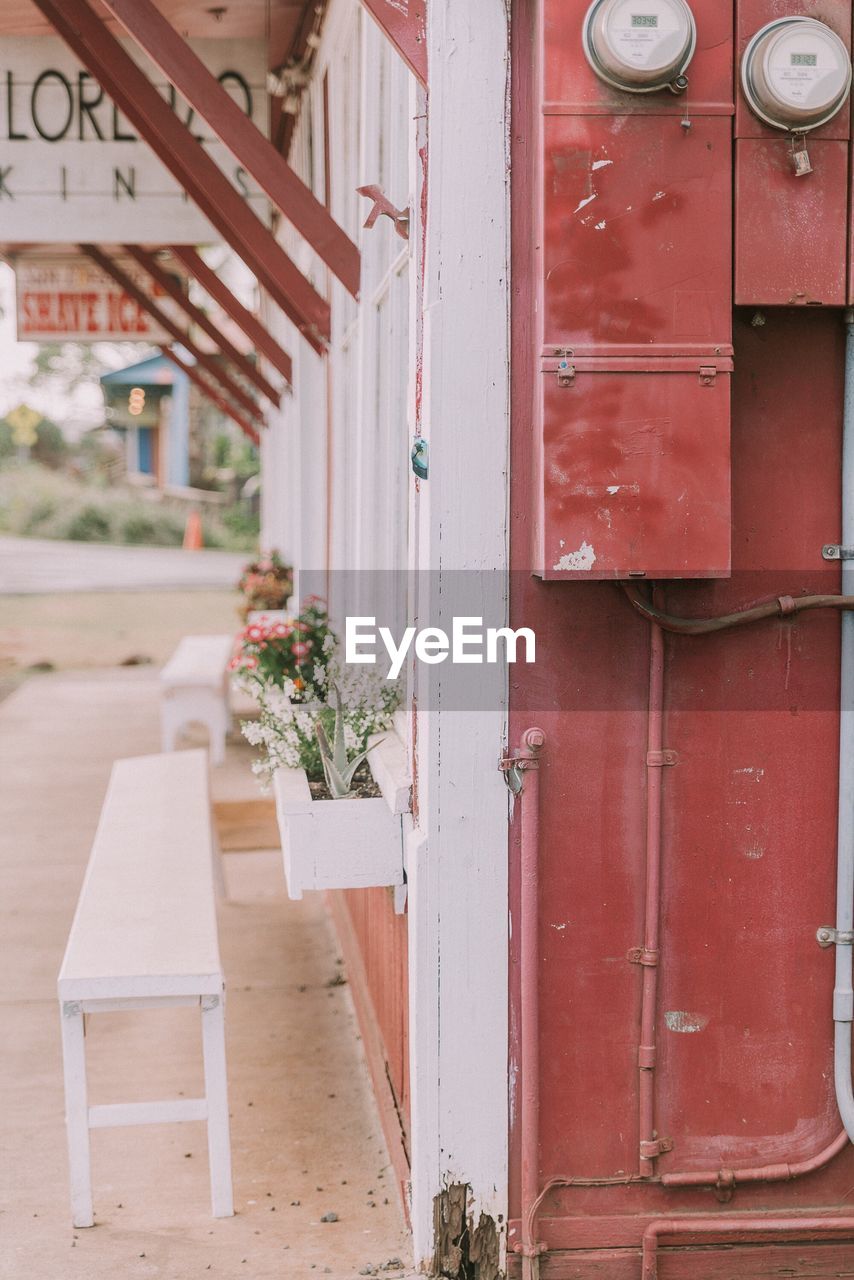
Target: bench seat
195, 688
145, 935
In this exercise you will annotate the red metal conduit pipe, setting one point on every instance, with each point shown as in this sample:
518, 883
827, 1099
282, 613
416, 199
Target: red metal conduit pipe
526, 763
735, 1225
649, 1146
726, 1179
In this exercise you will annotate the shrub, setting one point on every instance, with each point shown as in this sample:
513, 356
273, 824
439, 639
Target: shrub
38, 502
242, 523
50, 448
89, 524
153, 529
7, 444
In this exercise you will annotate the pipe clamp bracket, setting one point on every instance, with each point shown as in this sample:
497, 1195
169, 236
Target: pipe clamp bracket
827, 936
832, 551
652, 1150
659, 759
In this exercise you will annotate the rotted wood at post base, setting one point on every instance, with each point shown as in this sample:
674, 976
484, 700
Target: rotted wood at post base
688, 785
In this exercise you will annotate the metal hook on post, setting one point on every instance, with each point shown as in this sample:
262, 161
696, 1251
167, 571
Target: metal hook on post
383, 208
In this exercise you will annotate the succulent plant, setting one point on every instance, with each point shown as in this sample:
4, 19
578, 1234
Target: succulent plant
338, 769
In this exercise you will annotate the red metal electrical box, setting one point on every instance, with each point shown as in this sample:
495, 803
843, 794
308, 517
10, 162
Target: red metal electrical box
635, 284
791, 232
636, 467
637, 247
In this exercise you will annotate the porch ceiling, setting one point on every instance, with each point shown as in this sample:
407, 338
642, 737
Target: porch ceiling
246, 18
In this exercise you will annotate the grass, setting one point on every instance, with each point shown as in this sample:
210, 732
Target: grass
38, 503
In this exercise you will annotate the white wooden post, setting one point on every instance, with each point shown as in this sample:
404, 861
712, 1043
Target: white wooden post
77, 1113
458, 856
216, 1093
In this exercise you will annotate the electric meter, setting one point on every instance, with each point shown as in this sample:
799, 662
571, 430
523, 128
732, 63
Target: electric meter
640, 45
796, 74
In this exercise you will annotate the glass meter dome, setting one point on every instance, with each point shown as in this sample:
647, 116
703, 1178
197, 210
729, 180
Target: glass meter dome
640, 45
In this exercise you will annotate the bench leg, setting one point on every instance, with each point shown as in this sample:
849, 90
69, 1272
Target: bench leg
77, 1114
169, 725
218, 867
217, 731
216, 1092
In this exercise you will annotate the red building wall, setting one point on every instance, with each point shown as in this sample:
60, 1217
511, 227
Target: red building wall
744, 1070
374, 941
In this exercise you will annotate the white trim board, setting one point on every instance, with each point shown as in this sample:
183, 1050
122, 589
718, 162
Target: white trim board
458, 856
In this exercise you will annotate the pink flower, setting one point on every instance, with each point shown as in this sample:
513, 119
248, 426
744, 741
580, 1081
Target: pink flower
250, 663
254, 632
301, 648
280, 631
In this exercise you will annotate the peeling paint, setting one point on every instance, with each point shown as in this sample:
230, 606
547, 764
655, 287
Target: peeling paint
600, 226
755, 852
584, 558
659, 195
754, 773
600, 164
586, 201
685, 1023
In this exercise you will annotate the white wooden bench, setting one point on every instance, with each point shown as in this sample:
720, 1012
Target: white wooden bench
195, 689
144, 935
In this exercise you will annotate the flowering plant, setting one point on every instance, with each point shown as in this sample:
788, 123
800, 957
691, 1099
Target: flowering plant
286, 730
294, 652
266, 583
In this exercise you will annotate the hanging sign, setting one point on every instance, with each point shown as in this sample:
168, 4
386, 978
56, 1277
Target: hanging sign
69, 299
71, 167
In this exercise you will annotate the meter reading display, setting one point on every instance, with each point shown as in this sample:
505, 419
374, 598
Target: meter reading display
644, 19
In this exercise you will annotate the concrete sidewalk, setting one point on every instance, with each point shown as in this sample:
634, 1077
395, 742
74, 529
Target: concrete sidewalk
35, 566
305, 1137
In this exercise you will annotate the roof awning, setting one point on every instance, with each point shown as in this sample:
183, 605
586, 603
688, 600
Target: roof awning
88, 35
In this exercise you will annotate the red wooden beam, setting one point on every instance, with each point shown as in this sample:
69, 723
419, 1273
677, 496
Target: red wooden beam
405, 24
186, 158
242, 316
212, 394
208, 363
172, 288
186, 71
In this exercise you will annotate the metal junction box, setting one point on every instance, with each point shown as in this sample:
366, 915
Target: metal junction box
637, 246
636, 467
634, 287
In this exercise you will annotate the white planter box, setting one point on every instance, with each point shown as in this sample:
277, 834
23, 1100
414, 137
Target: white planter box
335, 844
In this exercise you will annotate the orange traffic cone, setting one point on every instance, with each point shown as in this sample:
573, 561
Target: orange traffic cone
193, 540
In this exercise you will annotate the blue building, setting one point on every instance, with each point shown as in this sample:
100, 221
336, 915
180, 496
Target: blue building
149, 404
